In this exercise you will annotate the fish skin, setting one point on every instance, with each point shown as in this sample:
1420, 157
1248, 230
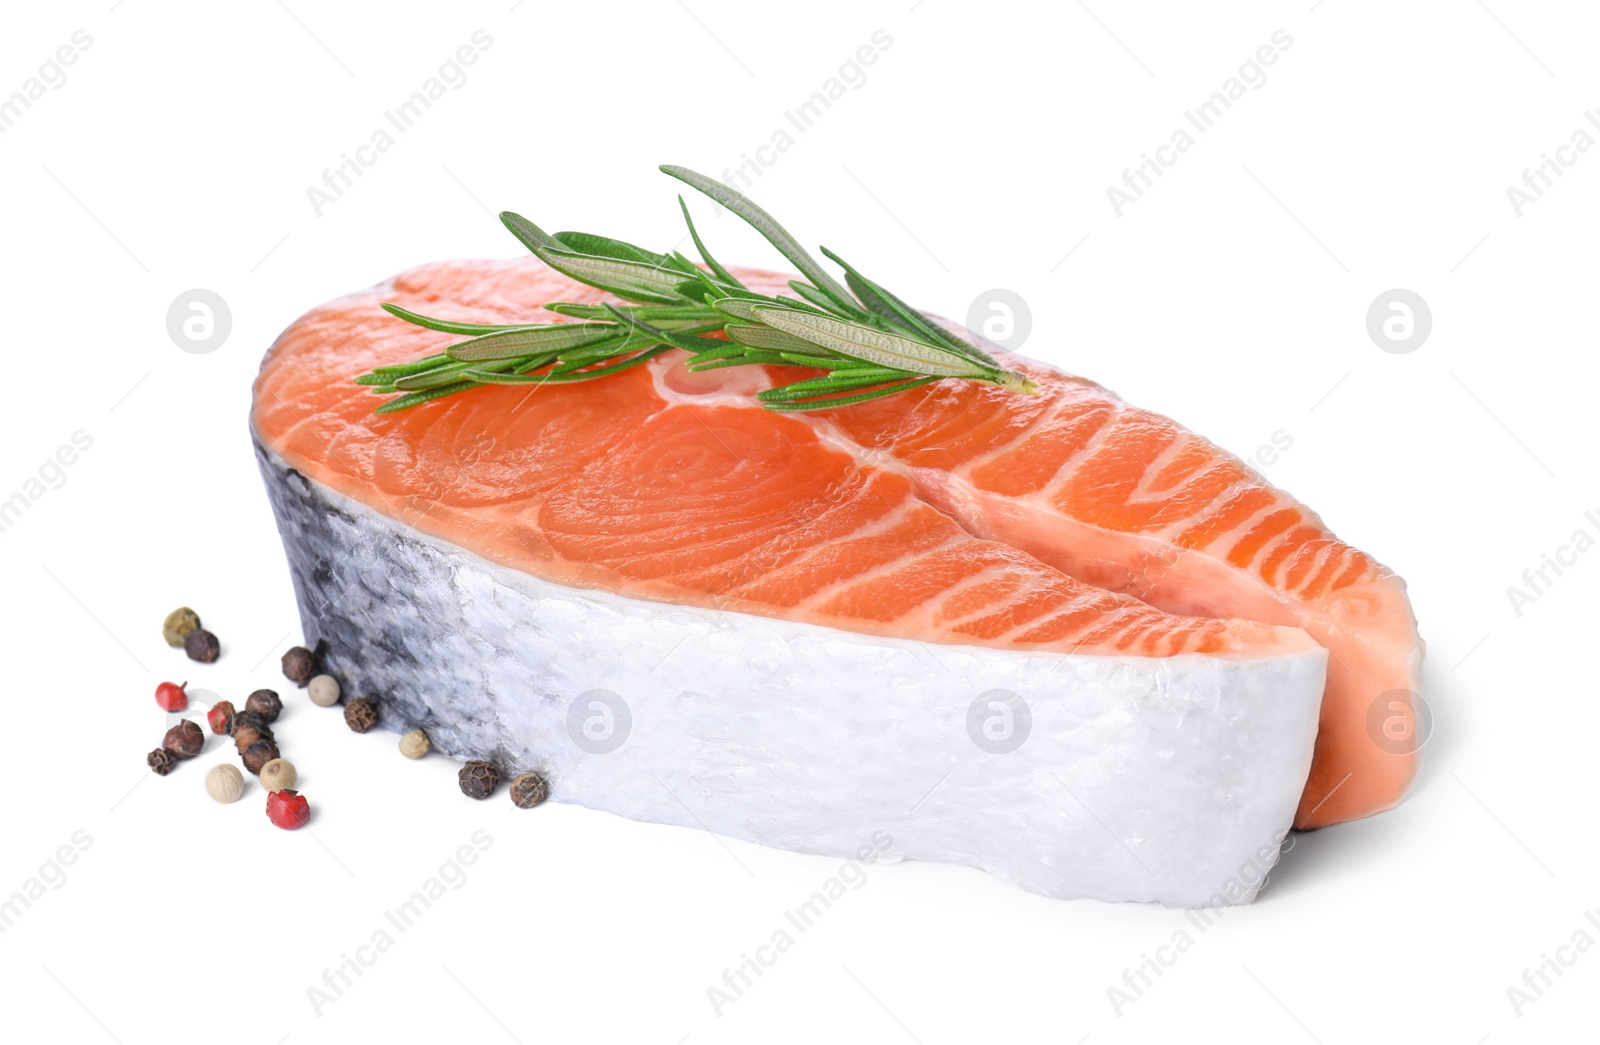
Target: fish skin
1172, 779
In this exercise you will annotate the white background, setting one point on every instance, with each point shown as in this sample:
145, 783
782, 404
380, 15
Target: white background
976, 155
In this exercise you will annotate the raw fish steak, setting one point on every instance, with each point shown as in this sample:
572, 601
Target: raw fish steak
795, 630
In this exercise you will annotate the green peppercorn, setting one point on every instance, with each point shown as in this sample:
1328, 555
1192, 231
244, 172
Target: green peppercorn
180, 623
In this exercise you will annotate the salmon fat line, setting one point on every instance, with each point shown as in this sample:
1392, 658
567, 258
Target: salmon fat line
870, 342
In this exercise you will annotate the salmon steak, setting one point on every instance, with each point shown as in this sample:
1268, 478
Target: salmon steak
1049, 636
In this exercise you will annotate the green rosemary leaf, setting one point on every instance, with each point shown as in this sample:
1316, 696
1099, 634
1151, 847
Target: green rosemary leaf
818, 299
402, 369
832, 402
716, 288
633, 361
623, 342
522, 341
848, 382
442, 375
606, 247
684, 339
417, 398
492, 377
745, 360
764, 223
870, 344
721, 350
448, 326
772, 339
685, 264
634, 280
805, 306
661, 314
705, 255
890, 307
742, 308
531, 235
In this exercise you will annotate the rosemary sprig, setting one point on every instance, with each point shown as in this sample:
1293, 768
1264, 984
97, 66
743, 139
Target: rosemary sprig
868, 342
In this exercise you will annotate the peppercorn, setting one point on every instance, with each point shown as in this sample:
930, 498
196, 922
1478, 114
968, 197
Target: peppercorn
171, 696
528, 790
201, 645
264, 702
288, 809
220, 717
278, 774
299, 664
478, 778
361, 714
178, 626
160, 761
250, 720
415, 744
224, 783
184, 740
324, 691
258, 754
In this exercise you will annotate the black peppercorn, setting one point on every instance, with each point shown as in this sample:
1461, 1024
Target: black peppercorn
250, 720
299, 664
201, 645
478, 778
160, 761
528, 790
264, 702
184, 740
361, 714
246, 735
257, 754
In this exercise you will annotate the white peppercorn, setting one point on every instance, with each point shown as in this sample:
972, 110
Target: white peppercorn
323, 691
225, 783
278, 774
415, 744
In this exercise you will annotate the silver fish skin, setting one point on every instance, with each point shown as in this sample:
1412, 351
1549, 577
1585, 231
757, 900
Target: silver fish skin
1172, 780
